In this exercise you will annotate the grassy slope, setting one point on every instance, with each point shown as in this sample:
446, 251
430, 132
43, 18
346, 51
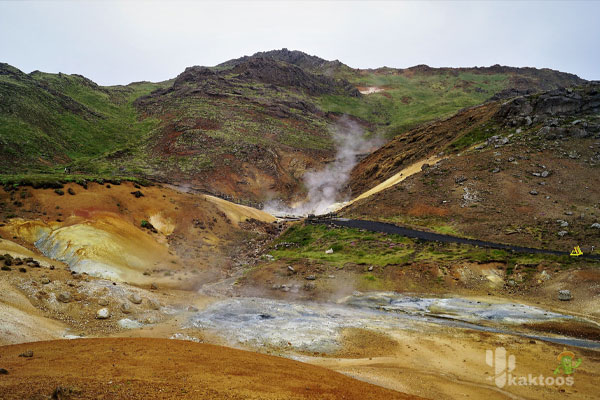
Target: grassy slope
240, 127
410, 100
309, 242
50, 119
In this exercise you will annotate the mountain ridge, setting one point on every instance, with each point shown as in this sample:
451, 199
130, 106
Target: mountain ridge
251, 123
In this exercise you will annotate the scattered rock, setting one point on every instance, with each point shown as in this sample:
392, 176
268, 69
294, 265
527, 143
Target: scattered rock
564, 295
3, 371
135, 298
71, 192
495, 170
103, 302
137, 194
545, 174
5, 268
27, 354
596, 225
45, 281
370, 268
330, 251
64, 393
568, 212
126, 308
310, 278
291, 269
154, 304
533, 192
545, 275
147, 225
64, 297
562, 233
460, 179
103, 313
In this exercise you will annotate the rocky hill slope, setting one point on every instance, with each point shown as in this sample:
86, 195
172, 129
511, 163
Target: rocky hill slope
520, 171
247, 129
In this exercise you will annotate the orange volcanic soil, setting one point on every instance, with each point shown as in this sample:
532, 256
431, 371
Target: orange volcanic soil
167, 369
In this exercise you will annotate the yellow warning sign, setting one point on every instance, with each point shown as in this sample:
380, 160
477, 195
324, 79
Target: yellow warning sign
576, 252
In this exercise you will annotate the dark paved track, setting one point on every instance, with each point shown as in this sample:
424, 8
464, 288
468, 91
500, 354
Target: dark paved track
383, 227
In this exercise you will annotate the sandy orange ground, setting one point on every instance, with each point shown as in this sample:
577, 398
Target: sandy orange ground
167, 369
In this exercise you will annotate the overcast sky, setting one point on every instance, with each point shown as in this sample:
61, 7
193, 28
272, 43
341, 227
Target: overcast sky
125, 41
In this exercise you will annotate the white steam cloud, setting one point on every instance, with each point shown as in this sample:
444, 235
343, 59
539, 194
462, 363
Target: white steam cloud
325, 187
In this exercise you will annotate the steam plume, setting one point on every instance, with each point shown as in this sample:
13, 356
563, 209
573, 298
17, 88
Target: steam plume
325, 187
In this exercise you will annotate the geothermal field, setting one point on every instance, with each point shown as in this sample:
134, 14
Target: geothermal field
283, 225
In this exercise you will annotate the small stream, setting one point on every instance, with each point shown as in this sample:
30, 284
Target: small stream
317, 327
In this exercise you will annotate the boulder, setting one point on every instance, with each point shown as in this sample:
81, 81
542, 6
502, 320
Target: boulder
103, 313
154, 304
126, 308
460, 179
64, 297
564, 295
545, 275
135, 298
